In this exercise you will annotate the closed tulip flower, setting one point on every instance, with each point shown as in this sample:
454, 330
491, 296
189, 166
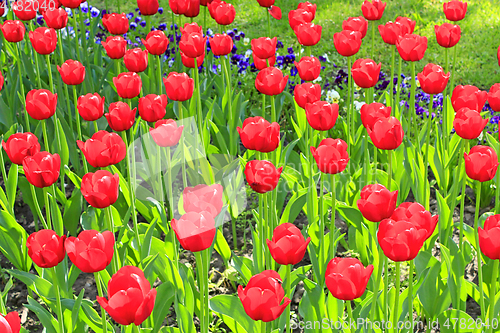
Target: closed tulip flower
21, 145
468, 97
42, 169
347, 42
148, 7
356, 24
43, 40
432, 79
116, 24
56, 19
130, 297
387, 133
179, 86
221, 44
481, 164
494, 97
377, 202
408, 25
71, 3
192, 44
262, 176
264, 47
153, 107
455, 10
447, 35
373, 10
266, 3
156, 42
189, 62
270, 81
13, 30
264, 298
288, 246
2, 8
1, 81
103, 149
371, 113
365, 72
347, 278
178, 7
91, 106
223, 13
489, 237
120, 117
275, 12
11, 323
23, 10
136, 60
193, 8
203, 197
309, 68
100, 189
411, 47
390, 32
299, 16
416, 214
400, 240
115, 46
72, 72
321, 115
258, 134
46, 248
205, 2
331, 156
195, 231
306, 93
128, 85
166, 133
468, 123
91, 251
260, 64
310, 7
41, 104
308, 34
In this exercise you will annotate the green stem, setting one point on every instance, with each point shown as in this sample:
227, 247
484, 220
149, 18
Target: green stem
79, 127
373, 38
77, 44
60, 317
259, 242
226, 64
350, 318
66, 92
263, 327
103, 312
37, 208
398, 90
118, 5
396, 302
197, 83
367, 151
410, 292
37, 63
411, 119
393, 58
349, 108
106, 5
169, 186
493, 292
322, 221
201, 286
426, 163
160, 76
289, 295
478, 251
184, 174
332, 222
462, 198
268, 23
21, 85
115, 265
453, 67
45, 135
206, 265
446, 130
380, 269
497, 191
263, 106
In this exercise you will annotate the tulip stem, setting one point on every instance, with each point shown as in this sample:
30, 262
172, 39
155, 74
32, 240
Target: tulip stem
493, 291
396, 302
264, 107
348, 307
111, 227
412, 117
322, 218
393, 58
453, 68
21, 84
373, 39
66, 92
198, 95
75, 27
160, 76
103, 312
334, 211
380, 269
259, 242
478, 251
410, 292
79, 127
497, 191
60, 317
349, 107
289, 294
37, 63
426, 163
398, 90
201, 287
263, 327
269, 24
184, 174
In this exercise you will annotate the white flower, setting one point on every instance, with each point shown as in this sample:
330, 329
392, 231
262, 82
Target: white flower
248, 53
246, 40
332, 96
358, 105
318, 79
326, 57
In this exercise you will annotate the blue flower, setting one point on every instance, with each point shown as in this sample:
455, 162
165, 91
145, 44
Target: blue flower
94, 12
138, 19
130, 16
279, 45
160, 10
242, 34
87, 22
143, 24
39, 19
84, 7
162, 27
322, 59
133, 25
290, 50
294, 71
230, 33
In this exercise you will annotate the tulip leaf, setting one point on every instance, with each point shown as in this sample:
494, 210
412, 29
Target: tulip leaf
146, 243
165, 293
72, 212
232, 313
41, 286
457, 321
12, 242
185, 319
11, 185
49, 323
222, 247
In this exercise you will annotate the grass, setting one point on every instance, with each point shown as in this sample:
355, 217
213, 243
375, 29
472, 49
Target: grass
476, 52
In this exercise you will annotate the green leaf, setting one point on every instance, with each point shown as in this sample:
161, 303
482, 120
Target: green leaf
222, 247
185, 319
13, 242
166, 294
40, 285
230, 309
72, 212
49, 323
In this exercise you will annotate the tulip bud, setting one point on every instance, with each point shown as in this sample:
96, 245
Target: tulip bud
166, 133
42, 169
468, 96
223, 13
447, 35
128, 85
153, 107
21, 145
221, 44
136, 60
13, 30
331, 156
489, 237
262, 176
43, 40
195, 231
156, 42
72, 72
347, 42
432, 79
347, 278
373, 10
400, 240
179, 86
288, 245
41, 104
56, 18
308, 34
365, 73
264, 47
270, 81
91, 106
468, 123
258, 134
356, 24
481, 164
455, 10
494, 97
148, 7
306, 93
309, 68
46, 248
116, 24
91, 251
321, 115
387, 133
203, 198
23, 10
411, 47
371, 113
377, 202
100, 189
299, 16
120, 117
11, 323
103, 149
115, 47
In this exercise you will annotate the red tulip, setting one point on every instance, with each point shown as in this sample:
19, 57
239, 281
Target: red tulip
128, 85
447, 35
260, 64
193, 8
205, 2
46, 248
309, 68
166, 133
377, 202
275, 12
258, 134
130, 297
322, 116
373, 10
416, 214
136, 60
308, 34
120, 117
156, 42
347, 278
148, 7
179, 86
481, 164
299, 16
331, 155
3, 7
408, 25
356, 24
53, 5
42, 169
115, 46
468, 96
91, 251
11, 323
195, 231
100, 189
153, 107
56, 18
347, 42
41, 104
270, 81
262, 176
390, 32
223, 13
71, 3
264, 47
13, 30
432, 79
498, 55
21, 145
189, 62
494, 97
311, 8
387, 133
371, 113
221, 44
489, 237
91, 106
263, 298
288, 246
192, 28
266, 3
192, 44
103, 149
1, 81
411, 47
72, 72
468, 123
306, 93
400, 240
455, 10
203, 198
178, 7
116, 24
24, 10
365, 72
43, 40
